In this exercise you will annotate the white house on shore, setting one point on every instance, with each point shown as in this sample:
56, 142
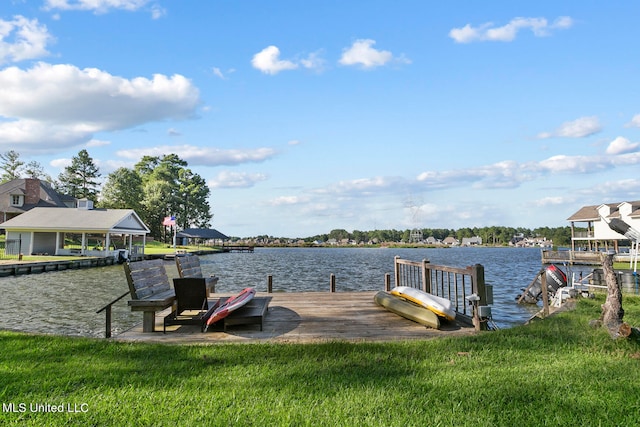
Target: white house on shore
82, 231
590, 227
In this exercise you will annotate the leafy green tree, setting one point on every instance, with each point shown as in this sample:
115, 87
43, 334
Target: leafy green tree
123, 190
193, 208
11, 166
360, 236
339, 234
154, 207
170, 188
80, 178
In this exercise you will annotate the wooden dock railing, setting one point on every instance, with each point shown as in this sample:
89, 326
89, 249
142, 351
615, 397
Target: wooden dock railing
464, 287
107, 311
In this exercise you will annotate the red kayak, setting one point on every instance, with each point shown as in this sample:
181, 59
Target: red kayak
219, 312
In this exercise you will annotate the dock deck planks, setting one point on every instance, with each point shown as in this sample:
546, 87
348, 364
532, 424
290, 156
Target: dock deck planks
305, 317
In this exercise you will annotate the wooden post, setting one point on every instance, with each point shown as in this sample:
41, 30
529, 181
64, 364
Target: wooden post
425, 284
107, 331
148, 321
332, 283
545, 294
477, 275
428, 272
269, 283
387, 282
396, 268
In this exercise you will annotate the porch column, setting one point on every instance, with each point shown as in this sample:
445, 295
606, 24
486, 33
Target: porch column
33, 236
107, 242
57, 242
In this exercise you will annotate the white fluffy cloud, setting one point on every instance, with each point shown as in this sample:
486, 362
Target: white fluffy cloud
64, 105
622, 145
268, 61
98, 6
203, 156
512, 174
22, 38
30, 135
362, 53
635, 122
504, 174
488, 32
579, 128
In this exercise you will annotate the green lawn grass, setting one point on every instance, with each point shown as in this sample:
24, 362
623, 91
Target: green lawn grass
557, 371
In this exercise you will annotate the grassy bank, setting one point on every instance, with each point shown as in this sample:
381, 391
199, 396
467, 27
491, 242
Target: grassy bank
554, 372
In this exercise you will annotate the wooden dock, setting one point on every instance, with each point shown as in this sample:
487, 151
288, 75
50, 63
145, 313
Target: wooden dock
306, 317
237, 248
16, 268
580, 257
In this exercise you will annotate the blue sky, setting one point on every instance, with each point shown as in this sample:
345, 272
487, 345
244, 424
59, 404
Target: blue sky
309, 116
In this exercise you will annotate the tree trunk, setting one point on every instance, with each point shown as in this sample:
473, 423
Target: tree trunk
612, 311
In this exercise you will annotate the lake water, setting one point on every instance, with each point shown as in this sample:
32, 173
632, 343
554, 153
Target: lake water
65, 302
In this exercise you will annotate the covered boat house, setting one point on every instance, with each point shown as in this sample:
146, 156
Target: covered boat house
83, 231
201, 235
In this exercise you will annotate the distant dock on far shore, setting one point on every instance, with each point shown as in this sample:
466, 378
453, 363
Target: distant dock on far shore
238, 248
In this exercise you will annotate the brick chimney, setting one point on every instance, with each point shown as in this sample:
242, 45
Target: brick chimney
32, 190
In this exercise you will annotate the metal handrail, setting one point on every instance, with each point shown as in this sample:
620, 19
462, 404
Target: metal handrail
107, 330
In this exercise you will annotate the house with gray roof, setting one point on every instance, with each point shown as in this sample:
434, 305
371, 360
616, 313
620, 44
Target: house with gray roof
472, 241
82, 231
20, 195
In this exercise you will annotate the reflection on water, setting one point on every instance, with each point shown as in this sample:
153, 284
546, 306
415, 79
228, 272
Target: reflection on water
66, 302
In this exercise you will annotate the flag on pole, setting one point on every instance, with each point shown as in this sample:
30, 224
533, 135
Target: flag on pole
169, 220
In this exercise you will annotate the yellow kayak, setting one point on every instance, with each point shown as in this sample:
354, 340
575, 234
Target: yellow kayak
407, 309
440, 306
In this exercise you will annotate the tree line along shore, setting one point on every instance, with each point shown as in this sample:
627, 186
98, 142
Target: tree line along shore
424, 237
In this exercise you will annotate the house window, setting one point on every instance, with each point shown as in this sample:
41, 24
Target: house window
17, 200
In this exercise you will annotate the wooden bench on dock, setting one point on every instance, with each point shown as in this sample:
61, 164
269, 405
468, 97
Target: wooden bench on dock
150, 290
189, 266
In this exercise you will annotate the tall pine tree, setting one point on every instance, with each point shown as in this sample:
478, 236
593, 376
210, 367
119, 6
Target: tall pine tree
80, 179
11, 166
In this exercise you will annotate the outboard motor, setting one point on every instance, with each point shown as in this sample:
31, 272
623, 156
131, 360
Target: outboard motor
123, 256
555, 279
